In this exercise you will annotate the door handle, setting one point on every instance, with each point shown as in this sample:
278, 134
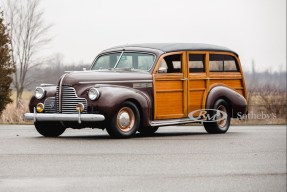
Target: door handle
184, 79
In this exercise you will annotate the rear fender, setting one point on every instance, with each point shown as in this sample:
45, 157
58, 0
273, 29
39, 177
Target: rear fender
237, 102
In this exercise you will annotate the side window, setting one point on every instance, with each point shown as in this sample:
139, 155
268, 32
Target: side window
196, 63
230, 64
171, 64
222, 63
215, 63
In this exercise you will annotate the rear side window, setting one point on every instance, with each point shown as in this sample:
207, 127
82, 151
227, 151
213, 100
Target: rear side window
196, 63
222, 63
230, 64
171, 64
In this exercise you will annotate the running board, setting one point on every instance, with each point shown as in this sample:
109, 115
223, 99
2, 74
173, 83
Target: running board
171, 122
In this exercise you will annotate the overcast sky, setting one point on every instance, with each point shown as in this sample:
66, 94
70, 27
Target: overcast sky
256, 29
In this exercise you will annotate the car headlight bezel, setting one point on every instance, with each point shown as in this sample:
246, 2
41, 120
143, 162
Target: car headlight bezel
93, 94
39, 93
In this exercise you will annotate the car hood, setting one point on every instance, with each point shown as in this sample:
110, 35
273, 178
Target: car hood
103, 77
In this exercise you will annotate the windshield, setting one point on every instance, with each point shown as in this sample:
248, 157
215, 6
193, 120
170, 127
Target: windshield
138, 61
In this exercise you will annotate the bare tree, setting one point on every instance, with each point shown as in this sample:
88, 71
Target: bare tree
28, 34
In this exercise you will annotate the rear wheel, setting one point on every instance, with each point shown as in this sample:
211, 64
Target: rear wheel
148, 130
49, 129
125, 122
222, 125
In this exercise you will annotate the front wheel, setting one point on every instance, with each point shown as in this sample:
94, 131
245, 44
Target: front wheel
49, 129
222, 125
125, 121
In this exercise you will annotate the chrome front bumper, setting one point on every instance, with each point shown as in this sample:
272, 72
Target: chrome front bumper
63, 117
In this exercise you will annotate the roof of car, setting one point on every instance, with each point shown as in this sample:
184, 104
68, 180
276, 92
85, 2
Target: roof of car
170, 47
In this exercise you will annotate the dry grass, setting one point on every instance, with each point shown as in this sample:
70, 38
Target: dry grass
14, 115
267, 106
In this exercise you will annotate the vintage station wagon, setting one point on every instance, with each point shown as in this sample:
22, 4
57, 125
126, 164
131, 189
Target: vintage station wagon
141, 87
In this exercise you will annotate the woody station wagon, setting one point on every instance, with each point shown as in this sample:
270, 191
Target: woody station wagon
141, 87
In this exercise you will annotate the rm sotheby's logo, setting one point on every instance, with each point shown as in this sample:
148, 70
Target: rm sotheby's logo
207, 115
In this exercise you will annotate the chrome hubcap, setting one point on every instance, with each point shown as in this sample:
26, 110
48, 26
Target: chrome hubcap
125, 119
221, 123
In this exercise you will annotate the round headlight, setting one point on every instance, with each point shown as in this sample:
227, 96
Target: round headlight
94, 94
39, 92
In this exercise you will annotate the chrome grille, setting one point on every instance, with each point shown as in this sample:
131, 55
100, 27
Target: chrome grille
70, 100
50, 105
57, 100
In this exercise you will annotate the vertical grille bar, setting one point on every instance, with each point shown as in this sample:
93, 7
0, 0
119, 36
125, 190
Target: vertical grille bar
60, 93
57, 100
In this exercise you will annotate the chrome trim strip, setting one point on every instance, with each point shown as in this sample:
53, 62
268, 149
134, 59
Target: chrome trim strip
60, 94
47, 85
171, 122
63, 117
107, 82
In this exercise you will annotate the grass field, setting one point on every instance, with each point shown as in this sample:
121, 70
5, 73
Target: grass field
12, 114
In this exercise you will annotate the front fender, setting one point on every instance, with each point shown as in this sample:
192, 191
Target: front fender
113, 96
236, 101
50, 91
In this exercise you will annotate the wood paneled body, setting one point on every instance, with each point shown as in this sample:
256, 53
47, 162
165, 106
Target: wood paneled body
177, 94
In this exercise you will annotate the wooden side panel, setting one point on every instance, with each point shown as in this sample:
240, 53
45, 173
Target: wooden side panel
197, 84
234, 80
196, 88
195, 100
241, 91
234, 83
170, 98
169, 105
168, 85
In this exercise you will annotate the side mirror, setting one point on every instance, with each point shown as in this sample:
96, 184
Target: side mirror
162, 70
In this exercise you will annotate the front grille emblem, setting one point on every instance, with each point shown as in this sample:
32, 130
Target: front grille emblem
52, 104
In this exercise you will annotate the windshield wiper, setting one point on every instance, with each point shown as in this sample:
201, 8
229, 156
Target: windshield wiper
119, 59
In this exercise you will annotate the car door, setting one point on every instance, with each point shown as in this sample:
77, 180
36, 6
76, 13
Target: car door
197, 79
170, 86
